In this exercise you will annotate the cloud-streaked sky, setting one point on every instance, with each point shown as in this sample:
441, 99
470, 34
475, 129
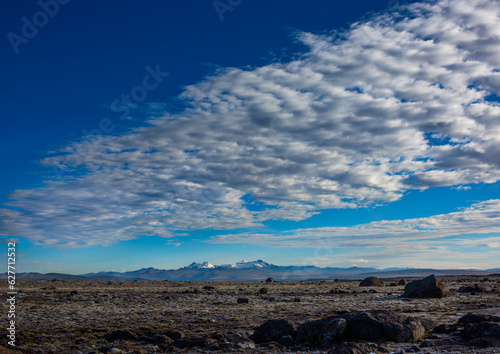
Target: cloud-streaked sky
372, 141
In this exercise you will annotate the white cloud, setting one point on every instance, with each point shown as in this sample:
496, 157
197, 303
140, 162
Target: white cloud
361, 260
480, 218
395, 103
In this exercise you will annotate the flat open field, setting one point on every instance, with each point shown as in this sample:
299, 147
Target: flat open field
74, 316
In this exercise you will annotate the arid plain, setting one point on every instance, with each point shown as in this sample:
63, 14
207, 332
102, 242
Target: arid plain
164, 316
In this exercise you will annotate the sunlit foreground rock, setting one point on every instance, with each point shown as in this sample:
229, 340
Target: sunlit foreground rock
429, 287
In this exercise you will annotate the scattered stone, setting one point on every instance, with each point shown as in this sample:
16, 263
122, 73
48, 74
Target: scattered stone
270, 280
472, 289
372, 281
482, 329
402, 282
161, 340
445, 328
174, 335
333, 331
115, 351
429, 287
208, 287
425, 344
274, 330
263, 291
428, 323
242, 300
121, 334
476, 318
297, 299
387, 325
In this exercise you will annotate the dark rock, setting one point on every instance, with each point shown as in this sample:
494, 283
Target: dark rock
429, 287
474, 318
297, 299
272, 298
121, 334
242, 300
372, 281
287, 341
337, 291
402, 282
333, 331
174, 335
161, 340
425, 344
427, 323
264, 291
322, 332
445, 328
482, 329
274, 330
240, 341
196, 291
312, 331
208, 287
380, 324
393, 284
485, 342
472, 289
270, 280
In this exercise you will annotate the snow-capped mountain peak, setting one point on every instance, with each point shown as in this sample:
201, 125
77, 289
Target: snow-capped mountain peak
248, 265
203, 265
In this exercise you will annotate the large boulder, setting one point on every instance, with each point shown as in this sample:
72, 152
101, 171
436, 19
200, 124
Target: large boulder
472, 289
386, 325
429, 287
482, 329
370, 326
372, 281
322, 332
274, 330
477, 318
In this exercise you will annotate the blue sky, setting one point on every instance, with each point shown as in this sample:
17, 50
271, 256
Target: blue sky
319, 133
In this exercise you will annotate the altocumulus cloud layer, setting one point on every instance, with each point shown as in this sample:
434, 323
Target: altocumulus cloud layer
395, 103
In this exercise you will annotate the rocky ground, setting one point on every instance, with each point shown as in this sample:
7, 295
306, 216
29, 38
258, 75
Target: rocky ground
157, 317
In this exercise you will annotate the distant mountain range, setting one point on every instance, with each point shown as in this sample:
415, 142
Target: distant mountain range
252, 271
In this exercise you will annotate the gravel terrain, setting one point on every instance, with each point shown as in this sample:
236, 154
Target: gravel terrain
75, 316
